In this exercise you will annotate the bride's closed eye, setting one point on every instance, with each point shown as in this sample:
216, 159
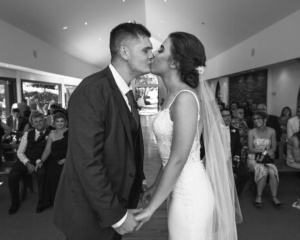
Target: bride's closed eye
161, 49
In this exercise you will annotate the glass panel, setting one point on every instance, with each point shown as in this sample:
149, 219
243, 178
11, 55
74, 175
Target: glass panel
40, 96
69, 90
146, 79
147, 100
3, 102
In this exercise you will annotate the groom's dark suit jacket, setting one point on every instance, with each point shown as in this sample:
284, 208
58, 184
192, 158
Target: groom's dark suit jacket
103, 172
235, 142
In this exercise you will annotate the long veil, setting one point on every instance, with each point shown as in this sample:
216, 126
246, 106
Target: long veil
218, 166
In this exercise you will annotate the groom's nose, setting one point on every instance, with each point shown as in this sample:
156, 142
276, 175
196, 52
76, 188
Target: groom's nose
151, 56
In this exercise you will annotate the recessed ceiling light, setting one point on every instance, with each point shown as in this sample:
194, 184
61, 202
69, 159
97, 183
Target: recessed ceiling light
165, 0
123, 0
65, 27
85, 23
100, 39
161, 21
129, 21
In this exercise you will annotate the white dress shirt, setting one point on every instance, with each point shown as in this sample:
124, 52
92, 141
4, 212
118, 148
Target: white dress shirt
123, 89
23, 145
16, 125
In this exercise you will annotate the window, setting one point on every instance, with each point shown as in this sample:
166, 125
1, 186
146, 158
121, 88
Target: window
40, 95
146, 94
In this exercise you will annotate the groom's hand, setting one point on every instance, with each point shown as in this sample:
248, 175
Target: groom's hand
130, 223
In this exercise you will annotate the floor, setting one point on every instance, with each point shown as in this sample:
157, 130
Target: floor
259, 224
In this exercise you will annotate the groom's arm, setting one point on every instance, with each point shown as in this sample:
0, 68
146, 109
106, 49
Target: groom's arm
87, 122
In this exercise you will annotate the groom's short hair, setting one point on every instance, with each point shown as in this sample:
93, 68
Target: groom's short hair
123, 32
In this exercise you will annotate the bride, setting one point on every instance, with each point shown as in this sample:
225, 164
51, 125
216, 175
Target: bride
200, 200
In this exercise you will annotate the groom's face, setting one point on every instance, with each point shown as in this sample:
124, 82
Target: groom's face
140, 56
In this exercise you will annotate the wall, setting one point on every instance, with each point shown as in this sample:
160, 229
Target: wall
284, 86
19, 48
224, 87
277, 43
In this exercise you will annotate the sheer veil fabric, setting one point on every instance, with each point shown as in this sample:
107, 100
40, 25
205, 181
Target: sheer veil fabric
218, 166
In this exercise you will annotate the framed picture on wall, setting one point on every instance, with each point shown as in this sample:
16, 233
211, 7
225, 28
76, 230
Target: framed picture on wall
250, 87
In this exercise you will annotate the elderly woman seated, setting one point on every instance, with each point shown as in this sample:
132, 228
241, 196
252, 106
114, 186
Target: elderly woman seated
262, 147
293, 151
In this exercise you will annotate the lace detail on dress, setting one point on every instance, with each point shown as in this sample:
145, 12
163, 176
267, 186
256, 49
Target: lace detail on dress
163, 130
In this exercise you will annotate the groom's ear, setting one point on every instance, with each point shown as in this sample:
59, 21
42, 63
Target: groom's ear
124, 53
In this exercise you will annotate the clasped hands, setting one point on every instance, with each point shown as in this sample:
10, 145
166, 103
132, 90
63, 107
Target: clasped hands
137, 217
266, 152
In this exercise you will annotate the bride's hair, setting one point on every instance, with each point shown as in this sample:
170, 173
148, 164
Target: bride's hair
189, 53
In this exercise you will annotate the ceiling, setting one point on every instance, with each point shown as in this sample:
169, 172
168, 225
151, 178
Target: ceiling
219, 24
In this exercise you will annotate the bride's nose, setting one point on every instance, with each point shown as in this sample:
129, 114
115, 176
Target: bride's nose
155, 53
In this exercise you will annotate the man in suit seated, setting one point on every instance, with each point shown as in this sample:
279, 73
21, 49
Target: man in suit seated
293, 124
17, 123
30, 150
240, 171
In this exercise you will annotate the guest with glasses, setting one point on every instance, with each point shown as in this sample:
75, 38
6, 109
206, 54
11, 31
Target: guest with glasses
240, 171
239, 122
286, 114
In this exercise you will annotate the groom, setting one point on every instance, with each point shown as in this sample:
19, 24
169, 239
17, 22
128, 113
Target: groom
103, 173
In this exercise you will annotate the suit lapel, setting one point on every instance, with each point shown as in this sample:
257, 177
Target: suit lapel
121, 105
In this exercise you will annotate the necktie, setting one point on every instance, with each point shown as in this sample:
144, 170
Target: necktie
14, 124
40, 137
133, 106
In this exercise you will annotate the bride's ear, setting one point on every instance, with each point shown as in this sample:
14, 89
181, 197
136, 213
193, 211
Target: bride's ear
172, 63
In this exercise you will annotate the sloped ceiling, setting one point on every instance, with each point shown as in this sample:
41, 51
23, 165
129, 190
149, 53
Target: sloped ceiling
219, 24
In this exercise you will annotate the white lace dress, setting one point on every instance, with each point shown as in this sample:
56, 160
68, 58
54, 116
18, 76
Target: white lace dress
191, 203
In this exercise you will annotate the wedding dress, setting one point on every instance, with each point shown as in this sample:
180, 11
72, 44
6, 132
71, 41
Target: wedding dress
191, 203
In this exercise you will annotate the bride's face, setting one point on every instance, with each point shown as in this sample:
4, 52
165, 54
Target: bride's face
161, 62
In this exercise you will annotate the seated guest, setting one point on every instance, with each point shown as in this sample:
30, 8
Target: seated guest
272, 121
26, 115
239, 122
262, 140
247, 111
54, 155
4, 132
286, 114
16, 122
22, 106
293, 151
293, 124
49, 123
30, 150
240, 171
233, 107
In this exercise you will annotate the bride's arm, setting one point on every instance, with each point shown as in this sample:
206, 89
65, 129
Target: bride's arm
184, 116
147, 195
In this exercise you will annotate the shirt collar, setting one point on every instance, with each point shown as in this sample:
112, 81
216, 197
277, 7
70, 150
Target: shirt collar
38, 132
124, 88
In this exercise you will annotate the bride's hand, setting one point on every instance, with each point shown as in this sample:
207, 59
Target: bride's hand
147, 195
142, 217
